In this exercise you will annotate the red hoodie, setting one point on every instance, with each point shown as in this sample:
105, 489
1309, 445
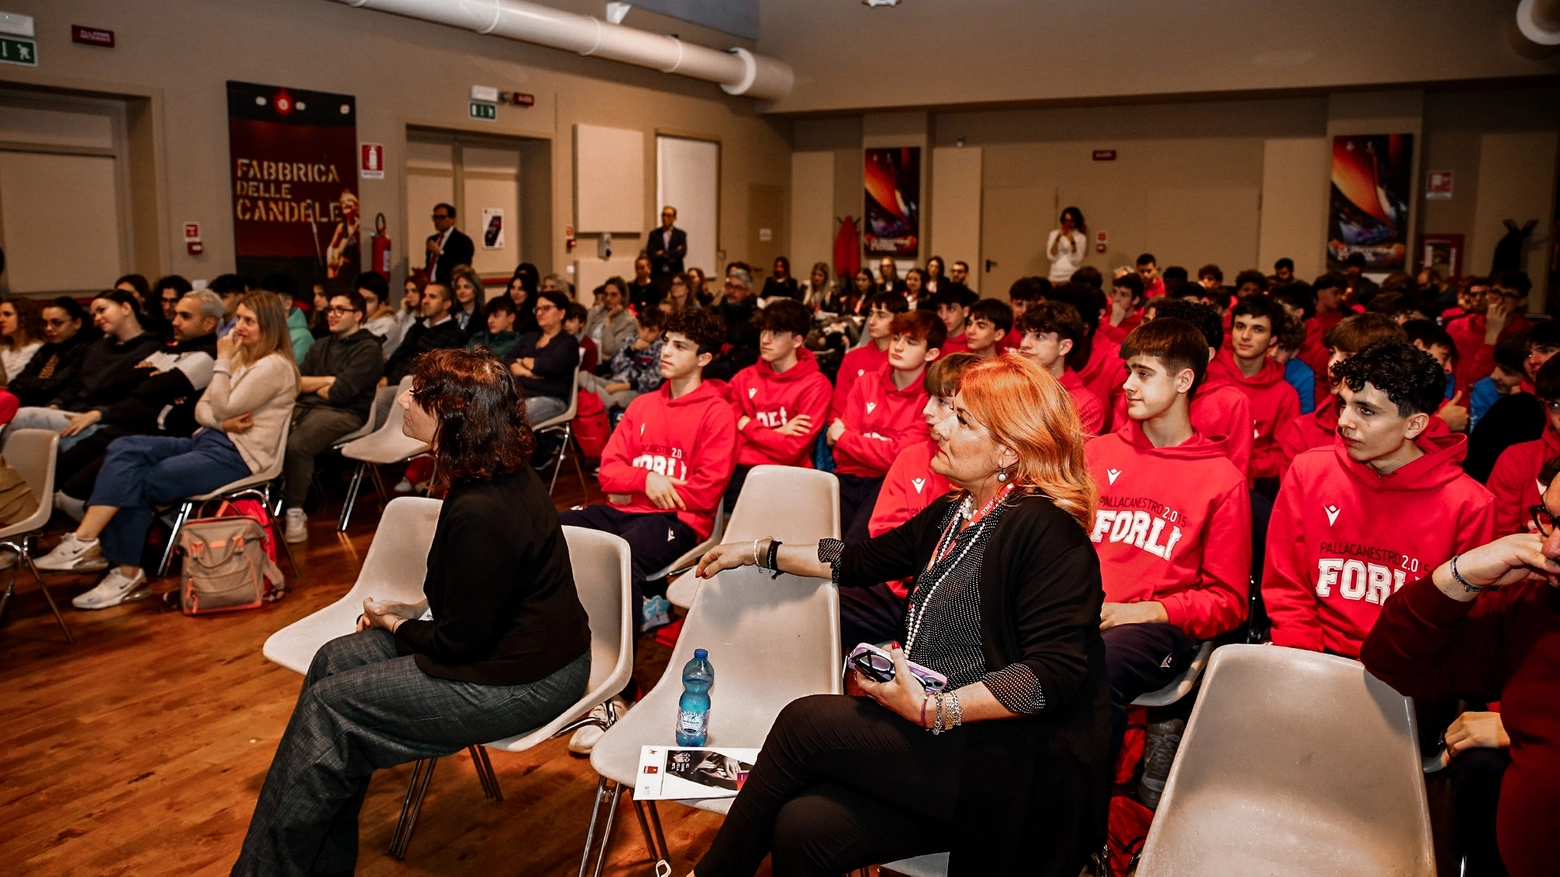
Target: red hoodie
1343, 539
771, 398
1274, 403
1173, 525
1315, 430
691, 438
1090, 410
1475, 359
1514, 481
1104, 374
1118, 334
1220, 409
880, 422
958, 344
909, 487
857, 362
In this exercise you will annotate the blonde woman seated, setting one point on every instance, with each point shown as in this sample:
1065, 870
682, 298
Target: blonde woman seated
242, 414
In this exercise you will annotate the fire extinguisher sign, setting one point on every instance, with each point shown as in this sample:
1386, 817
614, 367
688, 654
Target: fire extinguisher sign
371, 161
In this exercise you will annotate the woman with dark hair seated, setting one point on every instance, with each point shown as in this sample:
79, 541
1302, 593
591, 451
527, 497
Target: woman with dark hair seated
1009, 766
501, 644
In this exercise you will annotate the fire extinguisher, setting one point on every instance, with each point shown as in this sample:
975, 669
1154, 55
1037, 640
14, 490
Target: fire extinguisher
381, 263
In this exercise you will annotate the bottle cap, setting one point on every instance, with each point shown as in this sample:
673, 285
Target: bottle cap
700, 654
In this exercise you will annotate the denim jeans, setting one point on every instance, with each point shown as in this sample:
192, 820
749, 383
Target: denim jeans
51, 419
143, 471
540, 408
362, 709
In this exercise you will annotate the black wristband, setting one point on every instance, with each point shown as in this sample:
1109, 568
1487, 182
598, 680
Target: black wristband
774, 551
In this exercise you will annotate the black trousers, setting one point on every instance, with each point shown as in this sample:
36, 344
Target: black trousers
840, 783
1476, 776
654, 539
858, 497
1140, 658
734, 487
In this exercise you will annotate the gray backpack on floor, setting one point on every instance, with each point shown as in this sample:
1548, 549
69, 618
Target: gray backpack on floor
226, 566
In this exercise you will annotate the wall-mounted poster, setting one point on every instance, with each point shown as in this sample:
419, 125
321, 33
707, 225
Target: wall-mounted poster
1443, 252
294, 157
492, 228
893, 211
1368, 214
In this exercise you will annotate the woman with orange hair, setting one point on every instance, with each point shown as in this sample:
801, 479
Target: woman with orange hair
1006, 766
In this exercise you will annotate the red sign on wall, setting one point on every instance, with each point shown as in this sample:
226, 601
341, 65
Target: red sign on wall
1104, 155
91, 36
371, 164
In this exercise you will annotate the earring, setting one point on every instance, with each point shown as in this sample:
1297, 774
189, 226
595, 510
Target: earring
1001, 477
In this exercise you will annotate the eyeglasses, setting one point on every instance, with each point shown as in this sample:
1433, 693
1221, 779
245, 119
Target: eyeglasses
1507, 294
545, 307
1544, 522
441, 216
341, 311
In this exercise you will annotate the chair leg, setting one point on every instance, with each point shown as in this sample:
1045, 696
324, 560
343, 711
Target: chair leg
26, 557
590, 831
574, 447
486, 774
379, 486
655, 823
351, 500
173, 535
606, 832
416, 791
558, 463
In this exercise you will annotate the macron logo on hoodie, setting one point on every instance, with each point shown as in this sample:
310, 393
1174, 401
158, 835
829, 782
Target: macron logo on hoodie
1332, 514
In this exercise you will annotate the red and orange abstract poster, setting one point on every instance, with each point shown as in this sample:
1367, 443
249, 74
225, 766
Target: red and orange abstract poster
1371, 179
293, 157
893, 210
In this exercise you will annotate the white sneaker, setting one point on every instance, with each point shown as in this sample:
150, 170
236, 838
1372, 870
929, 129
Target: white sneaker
403, 486
76, 508
584, 740
297, 526
74, 554
115, 588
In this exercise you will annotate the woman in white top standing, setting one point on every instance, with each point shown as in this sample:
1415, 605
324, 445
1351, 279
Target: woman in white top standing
21, 334
1067, 245
243, 414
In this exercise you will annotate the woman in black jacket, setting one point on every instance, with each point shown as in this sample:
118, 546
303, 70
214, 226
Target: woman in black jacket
501, 644
1009, 769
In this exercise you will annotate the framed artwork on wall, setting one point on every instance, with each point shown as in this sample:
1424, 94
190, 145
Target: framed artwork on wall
1443, 252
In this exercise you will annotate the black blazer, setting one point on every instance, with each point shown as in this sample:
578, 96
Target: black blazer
499, 583
666, 261
458, 250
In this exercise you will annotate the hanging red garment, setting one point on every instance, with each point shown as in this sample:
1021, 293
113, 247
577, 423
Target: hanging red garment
847, 251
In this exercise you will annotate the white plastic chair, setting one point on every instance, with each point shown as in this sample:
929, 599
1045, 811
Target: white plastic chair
693, 554
32, 453
744, 619
564, 423
1296, 763
383, 447
929, 865
786, 502
1182, 685
258, 485
394, 569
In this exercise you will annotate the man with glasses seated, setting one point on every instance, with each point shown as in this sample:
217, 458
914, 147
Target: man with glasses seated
1514, 480
737, 309
335, 392
543, 361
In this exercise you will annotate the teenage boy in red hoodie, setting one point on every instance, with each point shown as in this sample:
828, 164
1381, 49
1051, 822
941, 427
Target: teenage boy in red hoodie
1382, 506
1024, 292
665, 467
1274, 403
1173, 529
1050, 330
1097, 359
877, 614
1219, 408
1514, 480
990, 322
1319, 428
882, 417
872, 355
953, 308
781, 401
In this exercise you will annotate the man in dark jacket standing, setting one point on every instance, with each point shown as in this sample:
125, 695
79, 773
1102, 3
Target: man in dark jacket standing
336, 388
666, 248
447, 246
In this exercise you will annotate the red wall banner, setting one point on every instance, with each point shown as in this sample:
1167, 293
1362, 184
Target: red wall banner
293, 159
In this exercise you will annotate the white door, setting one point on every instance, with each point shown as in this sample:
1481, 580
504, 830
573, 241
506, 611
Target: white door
688, 178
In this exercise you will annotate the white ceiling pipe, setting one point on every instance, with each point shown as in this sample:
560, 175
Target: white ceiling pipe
1539, 21
738, 72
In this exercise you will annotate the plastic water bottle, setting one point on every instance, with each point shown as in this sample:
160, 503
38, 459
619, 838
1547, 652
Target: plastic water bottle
693, 708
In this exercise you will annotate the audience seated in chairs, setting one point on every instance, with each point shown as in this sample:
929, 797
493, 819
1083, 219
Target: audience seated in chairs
990, 321
499, 337
543, 362
872, 354
244, 412
109, 369
635, 368
1254, 326
436, 330
737, 309
952, 306
609, 321
1344, 339
1173, 529
1050, 330
466, 666
882, 417
286, 291
1006, 606
1219, 407
380, 314
67, 335
336, 386
574, 319
163, 403
781, 401
21, 335
1516, 471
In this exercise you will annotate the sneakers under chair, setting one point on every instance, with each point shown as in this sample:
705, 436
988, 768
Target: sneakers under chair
1164, 738
115, 588
73, 554
297, 526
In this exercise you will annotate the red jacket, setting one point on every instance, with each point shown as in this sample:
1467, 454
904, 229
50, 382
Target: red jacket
1514, 481
959, 344
1090, 410
771, 398
1315, 430
1221, 410
909, 487
880, 422
1274, 403
1475, 359
1104, 374
1173, 525
856, 362
1117, 334
691, 438
1343, 539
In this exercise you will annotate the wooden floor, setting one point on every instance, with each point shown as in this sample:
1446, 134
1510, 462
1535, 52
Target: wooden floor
140, 750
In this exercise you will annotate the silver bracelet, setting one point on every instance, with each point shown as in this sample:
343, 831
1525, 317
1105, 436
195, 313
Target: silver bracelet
937, 720
958, 711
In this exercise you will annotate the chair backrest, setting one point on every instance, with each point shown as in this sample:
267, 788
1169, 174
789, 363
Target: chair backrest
568, 413
1293, 762
373, 413
789, 503
603, 580
31, 452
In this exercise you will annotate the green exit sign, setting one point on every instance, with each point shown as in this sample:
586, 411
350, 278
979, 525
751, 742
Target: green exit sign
15, 50
484, 110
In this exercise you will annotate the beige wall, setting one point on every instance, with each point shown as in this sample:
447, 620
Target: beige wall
174, 58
